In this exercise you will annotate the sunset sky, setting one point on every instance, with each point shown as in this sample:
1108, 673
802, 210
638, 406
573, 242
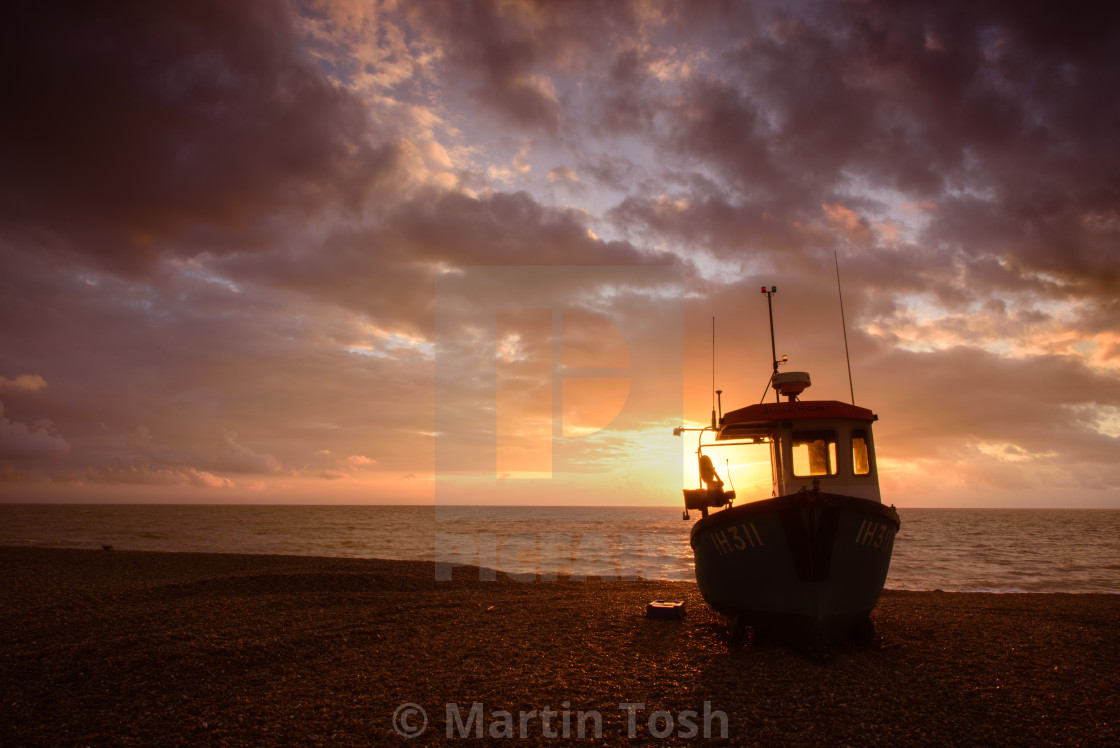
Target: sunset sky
369, 252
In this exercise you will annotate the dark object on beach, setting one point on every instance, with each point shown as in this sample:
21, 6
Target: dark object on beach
808, 562
106, 547
665, 609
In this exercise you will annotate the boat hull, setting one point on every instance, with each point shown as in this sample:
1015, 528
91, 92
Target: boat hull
808, 564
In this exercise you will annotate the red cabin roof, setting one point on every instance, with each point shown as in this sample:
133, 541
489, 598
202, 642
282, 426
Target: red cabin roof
801, 409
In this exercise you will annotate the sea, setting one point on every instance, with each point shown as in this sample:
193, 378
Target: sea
954, 550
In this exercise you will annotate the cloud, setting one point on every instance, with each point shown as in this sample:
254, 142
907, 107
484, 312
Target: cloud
563, 174
235, 457
502, 54
228, 229
833, 99
143, 123
230, 456
959, 406
139, 475
845, 221
25, 382
35, 441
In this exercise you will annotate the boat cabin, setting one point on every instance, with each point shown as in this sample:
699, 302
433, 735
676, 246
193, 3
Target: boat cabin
816, 443
813, 443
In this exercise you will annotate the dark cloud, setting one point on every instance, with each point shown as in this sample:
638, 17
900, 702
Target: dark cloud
128, 123
1002, 124
612, 171
503, 229
507, 56
386, 270
629, 97
503, 55
23, 441
135, 475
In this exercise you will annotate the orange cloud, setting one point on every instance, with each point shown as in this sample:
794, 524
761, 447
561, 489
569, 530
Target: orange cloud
846, 221
24, 382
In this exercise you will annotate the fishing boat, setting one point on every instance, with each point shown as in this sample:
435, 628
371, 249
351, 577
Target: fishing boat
809, 560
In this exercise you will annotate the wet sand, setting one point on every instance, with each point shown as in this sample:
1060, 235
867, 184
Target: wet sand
137, 648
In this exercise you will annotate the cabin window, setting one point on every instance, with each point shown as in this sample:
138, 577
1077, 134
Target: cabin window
814, 453
861, 461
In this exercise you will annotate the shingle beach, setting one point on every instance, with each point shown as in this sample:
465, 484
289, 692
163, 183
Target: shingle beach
140, 648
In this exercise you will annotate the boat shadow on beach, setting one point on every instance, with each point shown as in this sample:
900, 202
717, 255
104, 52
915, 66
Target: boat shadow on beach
700, 622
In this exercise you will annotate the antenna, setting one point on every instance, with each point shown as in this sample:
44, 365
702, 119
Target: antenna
714, 423
773, 350
844, 325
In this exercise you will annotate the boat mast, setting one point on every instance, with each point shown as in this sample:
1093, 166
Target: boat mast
773, 350
715, 425
844, 325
